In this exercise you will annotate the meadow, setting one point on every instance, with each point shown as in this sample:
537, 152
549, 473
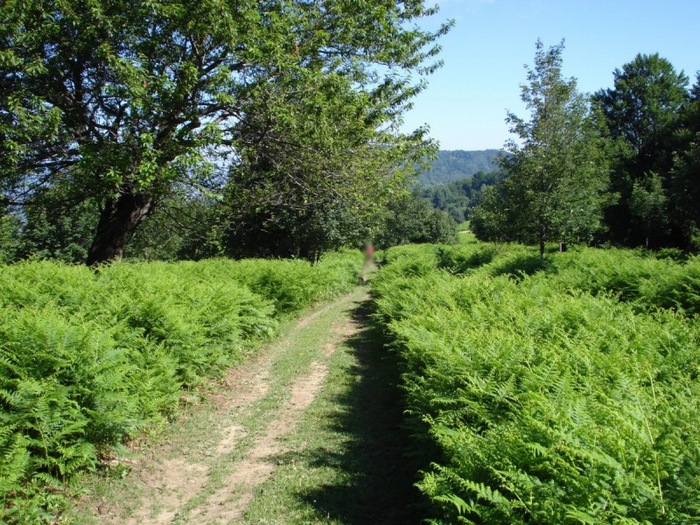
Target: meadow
559, 392
91, 359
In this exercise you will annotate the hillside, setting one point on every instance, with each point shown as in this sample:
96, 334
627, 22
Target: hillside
458, 164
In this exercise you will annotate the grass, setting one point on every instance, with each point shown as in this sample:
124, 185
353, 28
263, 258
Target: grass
348, 463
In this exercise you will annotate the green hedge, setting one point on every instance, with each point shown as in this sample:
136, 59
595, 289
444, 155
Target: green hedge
543, 398
88, 359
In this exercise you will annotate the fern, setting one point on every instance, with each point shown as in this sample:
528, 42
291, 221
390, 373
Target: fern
569, 394
87, 360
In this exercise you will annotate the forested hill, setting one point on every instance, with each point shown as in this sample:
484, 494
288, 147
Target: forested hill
459, 164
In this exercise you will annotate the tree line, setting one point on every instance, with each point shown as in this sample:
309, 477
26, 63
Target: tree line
188, 129
620, 166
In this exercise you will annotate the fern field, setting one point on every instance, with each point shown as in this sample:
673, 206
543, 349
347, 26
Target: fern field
88, 360
555, 393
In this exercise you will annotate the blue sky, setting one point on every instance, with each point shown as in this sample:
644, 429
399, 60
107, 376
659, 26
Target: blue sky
466, 101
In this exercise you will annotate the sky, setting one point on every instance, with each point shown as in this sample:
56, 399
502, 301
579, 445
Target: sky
484, 55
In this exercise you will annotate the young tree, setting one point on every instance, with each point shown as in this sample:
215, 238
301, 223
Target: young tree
558, 175
411, 219
122, 100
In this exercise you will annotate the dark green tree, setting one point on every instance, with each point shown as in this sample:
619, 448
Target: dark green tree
498, 217
684, 185
9, 236
57, 229
121, 100
312, 177
642, 114
558, 176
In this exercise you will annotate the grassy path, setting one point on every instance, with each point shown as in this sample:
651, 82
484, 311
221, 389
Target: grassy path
308, 432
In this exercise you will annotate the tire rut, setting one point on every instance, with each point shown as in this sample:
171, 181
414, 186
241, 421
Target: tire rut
217, 485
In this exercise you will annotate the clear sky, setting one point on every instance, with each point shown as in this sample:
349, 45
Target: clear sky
466, 101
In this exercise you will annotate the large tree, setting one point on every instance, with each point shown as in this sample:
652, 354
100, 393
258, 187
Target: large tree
316, 166
122, 100
558, 176
642, 113
684, 183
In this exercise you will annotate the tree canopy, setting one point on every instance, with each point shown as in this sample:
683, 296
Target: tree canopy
124, 101
642, 113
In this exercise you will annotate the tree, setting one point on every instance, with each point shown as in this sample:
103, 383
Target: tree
9, 236
684, 183
558, 176
121, 100
648, 204
56, 229
642, 113
460, 197
411, 219
315, 172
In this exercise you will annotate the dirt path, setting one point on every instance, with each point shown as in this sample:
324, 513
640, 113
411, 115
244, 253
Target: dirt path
215, 463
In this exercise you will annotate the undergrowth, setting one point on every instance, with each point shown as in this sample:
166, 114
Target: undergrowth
90, 359
559, 392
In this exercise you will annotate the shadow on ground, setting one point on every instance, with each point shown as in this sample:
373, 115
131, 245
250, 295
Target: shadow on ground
380, 477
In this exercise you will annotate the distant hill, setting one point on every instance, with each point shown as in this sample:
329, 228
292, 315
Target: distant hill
458, 164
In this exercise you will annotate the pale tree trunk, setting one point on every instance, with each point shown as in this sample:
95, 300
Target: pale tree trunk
119, 219
543, 238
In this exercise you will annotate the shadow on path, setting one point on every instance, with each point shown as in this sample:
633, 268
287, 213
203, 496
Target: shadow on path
378, 479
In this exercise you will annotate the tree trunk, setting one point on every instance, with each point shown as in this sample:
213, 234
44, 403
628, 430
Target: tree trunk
543, 238
119, 219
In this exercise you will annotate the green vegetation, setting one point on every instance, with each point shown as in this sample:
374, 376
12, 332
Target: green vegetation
558, 179
458, 198
411, 219
90, 359
126, 104
563, 391
540, 390
619, 167
644, 113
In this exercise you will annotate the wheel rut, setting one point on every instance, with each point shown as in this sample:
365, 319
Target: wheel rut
212, 476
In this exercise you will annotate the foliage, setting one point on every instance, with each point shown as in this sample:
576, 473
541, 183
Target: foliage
55, 229
316, 175
642, 113
88, 359
684, 187
9, 237
412, 219
548, 403
648, 203
124, 101
185, 226
459, 197
558, 178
